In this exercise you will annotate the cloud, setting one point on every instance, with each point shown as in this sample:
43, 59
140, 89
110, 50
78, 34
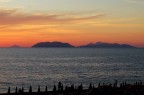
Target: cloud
136, 1
5, 0
14, 16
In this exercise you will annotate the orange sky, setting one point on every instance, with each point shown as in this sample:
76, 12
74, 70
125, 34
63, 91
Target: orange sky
18, 26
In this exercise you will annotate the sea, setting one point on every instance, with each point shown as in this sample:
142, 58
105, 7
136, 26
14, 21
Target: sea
22, 67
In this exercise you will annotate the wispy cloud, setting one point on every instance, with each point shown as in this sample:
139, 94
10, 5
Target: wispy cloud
136, 1
14, 16
5, 0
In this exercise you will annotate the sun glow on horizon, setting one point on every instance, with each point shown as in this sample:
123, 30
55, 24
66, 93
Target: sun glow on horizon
24, 23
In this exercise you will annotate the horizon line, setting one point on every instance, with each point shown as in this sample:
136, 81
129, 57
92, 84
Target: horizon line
75, 46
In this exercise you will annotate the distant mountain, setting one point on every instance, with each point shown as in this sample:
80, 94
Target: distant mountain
15, 46
107, 45
90, 45
51, 44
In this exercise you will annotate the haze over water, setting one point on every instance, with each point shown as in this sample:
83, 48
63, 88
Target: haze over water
47, 66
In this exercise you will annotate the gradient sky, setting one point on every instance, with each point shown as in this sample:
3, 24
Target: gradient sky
78, 22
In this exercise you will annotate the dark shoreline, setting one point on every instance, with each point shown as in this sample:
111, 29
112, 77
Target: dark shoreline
102, 89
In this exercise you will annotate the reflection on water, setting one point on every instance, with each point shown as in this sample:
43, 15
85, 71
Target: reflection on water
25, 67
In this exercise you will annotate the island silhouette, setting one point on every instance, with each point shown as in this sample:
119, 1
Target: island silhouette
52, 44
107, 45
57, 44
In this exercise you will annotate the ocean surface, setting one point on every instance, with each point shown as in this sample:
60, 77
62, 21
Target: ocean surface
47, 66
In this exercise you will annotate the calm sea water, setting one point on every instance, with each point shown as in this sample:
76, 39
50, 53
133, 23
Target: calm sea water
41, 66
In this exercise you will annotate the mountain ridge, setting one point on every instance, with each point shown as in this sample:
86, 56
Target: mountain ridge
106, 45
90, 45
51, 44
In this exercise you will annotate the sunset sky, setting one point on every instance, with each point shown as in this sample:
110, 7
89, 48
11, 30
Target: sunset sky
78, 22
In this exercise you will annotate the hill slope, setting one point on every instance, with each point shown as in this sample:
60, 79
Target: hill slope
52, 44
107, 45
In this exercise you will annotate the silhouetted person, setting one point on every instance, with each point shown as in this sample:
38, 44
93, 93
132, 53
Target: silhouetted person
59, 86
93, 87
141, 83
46, 89
9, 90
19, 91
99, 85
30, 89
66, 88
80, 87
72, 87
115, 83
16, 90
90, 86
110, 85
22, 90
39, 89
54, 88
62, 87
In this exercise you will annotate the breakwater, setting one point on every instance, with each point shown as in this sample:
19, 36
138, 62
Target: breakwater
115, 88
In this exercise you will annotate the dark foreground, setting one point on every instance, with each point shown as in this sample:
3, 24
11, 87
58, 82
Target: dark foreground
102, 89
